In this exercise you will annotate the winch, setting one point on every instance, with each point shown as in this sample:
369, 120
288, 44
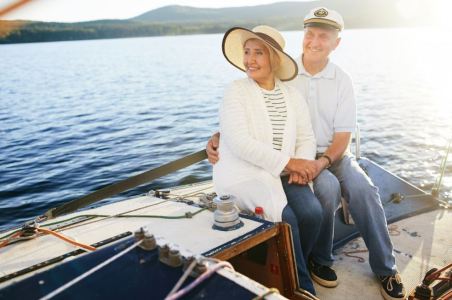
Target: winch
226, 216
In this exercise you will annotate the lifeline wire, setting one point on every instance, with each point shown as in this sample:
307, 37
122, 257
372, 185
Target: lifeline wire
89, 272
198, 280
182, 279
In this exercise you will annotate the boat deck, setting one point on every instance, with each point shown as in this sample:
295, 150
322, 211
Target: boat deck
421, 242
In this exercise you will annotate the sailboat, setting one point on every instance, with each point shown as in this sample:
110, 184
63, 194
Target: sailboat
145, 244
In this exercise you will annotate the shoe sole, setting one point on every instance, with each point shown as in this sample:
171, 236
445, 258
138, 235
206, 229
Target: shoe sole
387, 297
325, 283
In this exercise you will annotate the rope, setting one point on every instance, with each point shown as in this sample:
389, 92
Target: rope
182, 279
350, 254
269, 292
198, 280
109, 217
17, 233
104, 217
48, 231
192, 194
12, 236
442, 168
89, 272
13, 6
67, 239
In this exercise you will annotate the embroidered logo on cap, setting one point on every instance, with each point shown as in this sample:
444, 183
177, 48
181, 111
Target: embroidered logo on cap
321, 13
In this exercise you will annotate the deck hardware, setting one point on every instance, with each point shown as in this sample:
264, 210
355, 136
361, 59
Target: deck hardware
397, 197
149, 243
226, 216
170, 257
174, 258
162, 194
206, 200
196, 270
139, 234
29, 229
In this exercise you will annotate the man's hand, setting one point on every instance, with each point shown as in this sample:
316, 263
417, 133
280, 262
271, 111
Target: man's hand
303, 171
319, 165
303, 167
212, 148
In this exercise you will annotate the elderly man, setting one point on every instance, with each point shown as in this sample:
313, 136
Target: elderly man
329, 93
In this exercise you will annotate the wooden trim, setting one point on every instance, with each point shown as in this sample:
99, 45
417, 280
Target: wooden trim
275, 266
247, 244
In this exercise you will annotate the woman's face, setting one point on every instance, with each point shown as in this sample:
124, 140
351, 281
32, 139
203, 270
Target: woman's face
256, 59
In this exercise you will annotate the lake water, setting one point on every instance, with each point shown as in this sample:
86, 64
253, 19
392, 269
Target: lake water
76, 116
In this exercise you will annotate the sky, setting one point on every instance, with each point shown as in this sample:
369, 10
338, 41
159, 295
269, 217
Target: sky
86, 10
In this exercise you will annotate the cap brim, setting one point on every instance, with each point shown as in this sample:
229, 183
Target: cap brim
322, 23
233, 42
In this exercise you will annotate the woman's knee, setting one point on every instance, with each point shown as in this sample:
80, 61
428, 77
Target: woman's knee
312, 213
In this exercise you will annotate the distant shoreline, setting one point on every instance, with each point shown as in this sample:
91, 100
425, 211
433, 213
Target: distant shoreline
34, 32
184, 20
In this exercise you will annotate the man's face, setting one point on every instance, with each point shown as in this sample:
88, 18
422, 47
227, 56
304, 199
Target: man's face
318, 43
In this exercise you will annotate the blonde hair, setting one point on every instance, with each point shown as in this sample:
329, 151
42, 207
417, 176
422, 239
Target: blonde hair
275, 61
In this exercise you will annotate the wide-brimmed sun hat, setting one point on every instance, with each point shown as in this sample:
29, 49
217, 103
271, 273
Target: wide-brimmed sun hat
322, 16
234, 40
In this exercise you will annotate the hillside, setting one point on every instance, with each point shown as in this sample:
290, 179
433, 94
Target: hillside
177, 20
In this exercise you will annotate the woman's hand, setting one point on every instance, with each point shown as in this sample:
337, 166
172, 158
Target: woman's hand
296, 178
303, 167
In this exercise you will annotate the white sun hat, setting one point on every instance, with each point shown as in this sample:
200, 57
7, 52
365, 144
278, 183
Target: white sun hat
234, 40
323, 16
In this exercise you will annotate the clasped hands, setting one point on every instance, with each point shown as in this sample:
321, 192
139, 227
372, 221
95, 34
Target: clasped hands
303, 171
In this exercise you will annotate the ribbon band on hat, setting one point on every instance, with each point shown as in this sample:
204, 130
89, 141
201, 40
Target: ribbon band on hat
269, 40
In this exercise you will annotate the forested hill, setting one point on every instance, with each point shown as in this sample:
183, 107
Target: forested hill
177, 20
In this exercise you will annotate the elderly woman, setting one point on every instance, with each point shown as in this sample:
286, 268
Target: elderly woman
265, 136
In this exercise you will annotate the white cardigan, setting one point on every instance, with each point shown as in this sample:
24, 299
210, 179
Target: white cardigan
249, 168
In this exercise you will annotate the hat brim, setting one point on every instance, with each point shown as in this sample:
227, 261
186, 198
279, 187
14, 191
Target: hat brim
322, 23
233, 42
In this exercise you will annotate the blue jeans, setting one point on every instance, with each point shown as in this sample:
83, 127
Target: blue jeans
346, 176
304, 214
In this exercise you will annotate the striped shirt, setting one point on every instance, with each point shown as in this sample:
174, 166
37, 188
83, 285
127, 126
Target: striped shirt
277, 112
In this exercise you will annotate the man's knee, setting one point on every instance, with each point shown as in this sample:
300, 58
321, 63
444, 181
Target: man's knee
328, 190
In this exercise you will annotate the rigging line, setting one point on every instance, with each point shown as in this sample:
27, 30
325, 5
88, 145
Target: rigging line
182, 279
193, 193
436, 188
200, 279
5, 242
9, 234
188, 215
107, 217
89, 272
67, 239
13, 6
83, 224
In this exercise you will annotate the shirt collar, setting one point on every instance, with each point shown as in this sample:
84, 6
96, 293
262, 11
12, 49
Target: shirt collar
327, 72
